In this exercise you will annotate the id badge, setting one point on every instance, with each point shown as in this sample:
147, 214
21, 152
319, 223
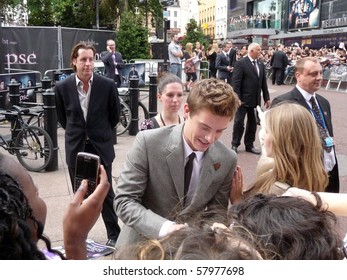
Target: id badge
328, 142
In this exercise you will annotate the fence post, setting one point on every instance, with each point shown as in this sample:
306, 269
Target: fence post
14, 92
152, 101
51, 124
134, 93
14, 100
57, 75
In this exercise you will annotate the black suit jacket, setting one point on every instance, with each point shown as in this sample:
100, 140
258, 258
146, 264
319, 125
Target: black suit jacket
247, 84
295, 96
232, 57
107, 59
279, 60
103, 116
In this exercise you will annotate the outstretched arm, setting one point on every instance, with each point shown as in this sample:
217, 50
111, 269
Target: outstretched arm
81, 215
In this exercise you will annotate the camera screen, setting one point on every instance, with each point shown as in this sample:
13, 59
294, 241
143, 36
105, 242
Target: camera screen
86, 168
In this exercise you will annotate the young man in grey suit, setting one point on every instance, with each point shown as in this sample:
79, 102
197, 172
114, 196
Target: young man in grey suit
309, 75
88, 109
113, 62
249, 81
151, 199
223, 64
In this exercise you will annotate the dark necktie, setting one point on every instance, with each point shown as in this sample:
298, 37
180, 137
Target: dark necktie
255, 66
188, 173
320, 122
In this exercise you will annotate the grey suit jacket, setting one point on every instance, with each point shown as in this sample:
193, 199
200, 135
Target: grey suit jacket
150, 187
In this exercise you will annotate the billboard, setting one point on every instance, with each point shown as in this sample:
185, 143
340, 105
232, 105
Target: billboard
303, 14
44, 48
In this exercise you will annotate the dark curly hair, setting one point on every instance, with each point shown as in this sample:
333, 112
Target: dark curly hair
16, 241
289, 227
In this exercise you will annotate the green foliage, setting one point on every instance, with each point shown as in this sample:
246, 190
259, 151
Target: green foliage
132, 37
194, 34
40, 13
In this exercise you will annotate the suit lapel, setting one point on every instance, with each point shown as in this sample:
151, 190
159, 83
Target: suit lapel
250, 65
175, 159
75, 96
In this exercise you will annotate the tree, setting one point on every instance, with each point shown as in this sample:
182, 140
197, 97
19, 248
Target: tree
40, 13
132, 37
194, 34
11, 10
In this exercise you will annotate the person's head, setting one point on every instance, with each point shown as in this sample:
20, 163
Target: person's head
23, 210
82, 60
170, 92
16, 240
197, 45
210, 106
254, 50
24, 180
193, 243
309, 74
189, 48
111, 44
292, 140
174, 37
289, 228
225, 47
230, 44
2, 85
30, 83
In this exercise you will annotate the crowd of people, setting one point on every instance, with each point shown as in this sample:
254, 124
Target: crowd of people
181, 193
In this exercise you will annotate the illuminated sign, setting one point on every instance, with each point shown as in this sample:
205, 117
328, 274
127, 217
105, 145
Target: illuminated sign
303, 14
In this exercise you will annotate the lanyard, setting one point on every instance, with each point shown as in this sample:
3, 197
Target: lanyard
319, 119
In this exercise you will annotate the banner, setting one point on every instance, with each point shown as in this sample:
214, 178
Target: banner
73, 36
303, 14
46, 48
29, 48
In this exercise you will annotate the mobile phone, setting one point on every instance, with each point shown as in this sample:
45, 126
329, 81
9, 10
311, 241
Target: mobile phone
87, 167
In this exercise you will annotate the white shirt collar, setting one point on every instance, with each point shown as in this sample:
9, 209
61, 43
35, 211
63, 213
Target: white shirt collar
306, 94
78, 80
188, 150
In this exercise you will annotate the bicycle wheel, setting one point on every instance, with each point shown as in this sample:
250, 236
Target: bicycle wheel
124, 118
34, 148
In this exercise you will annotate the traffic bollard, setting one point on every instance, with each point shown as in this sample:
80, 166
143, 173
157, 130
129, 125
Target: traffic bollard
134, 93
152, 100
51, 125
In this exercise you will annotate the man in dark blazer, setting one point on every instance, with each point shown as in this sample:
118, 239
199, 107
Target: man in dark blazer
113, 62
279, 63
150, 196
223, 64
232, 55
88, 109
308, 73
249, 81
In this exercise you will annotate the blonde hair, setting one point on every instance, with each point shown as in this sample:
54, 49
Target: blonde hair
296, 150
189, 49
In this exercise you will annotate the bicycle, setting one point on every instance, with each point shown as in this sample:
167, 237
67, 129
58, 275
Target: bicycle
125, 111
31, 144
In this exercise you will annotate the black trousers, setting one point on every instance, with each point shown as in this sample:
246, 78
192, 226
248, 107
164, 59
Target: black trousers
239, 126
278, 76
108, 214
334, 180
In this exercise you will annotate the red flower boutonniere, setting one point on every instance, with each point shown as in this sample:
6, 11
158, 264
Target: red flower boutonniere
216, 166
